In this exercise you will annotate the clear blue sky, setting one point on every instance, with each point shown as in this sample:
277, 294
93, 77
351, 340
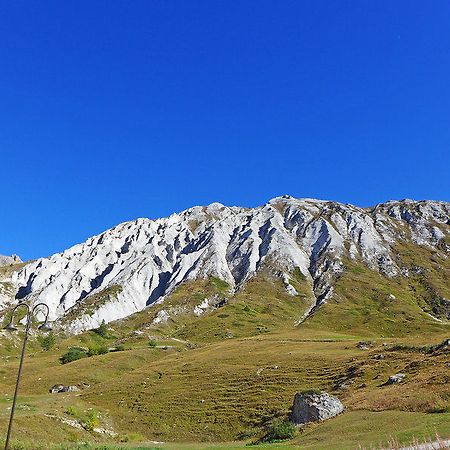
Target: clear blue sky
112, 110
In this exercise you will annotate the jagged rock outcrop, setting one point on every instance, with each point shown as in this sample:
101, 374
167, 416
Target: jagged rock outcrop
6, 260
7, 287
314, 407
135, 264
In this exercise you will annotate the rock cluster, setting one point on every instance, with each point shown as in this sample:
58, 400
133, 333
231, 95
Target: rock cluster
57, 388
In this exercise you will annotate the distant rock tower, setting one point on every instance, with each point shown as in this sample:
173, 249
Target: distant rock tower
6, 260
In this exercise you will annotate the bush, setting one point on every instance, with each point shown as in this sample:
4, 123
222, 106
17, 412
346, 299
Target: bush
73, 354
152, 343
92, 421
72, 411
118, 348
47, 342
102, 330
442, 409
97, 350
280, 431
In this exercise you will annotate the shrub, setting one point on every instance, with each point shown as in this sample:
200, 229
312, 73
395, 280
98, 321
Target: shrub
72, 411
73, 354
441, 409
152, 343
47, 342
119, 348
97, 350
92, 421
102, 330
280, 431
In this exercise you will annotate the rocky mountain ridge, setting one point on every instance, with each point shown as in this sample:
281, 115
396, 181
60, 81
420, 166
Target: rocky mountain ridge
138, 263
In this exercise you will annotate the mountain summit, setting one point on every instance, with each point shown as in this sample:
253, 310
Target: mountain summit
139, 263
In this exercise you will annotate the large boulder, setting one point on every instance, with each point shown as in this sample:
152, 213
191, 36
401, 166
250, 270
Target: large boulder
313, 406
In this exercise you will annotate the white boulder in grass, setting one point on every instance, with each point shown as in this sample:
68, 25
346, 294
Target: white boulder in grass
313, 406
396, 378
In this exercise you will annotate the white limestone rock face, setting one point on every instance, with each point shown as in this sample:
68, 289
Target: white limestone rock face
138, 263
7, 287
314, 407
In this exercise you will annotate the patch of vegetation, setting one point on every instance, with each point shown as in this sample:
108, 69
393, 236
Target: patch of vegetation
311, 392
280, 430
442, 409
92, 421
193, 225
97, 350
102, 330
73, 354
368, 304
280, 207
88, 419
221, 285
92, 302
118, 348
6, 271
47, 342
299, 275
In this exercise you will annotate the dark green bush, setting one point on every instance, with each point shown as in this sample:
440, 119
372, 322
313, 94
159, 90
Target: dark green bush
280, 431
118, 348
97, 350
102, 330
47, 342
73, 354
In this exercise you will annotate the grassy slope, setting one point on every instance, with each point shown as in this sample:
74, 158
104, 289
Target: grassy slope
206, 386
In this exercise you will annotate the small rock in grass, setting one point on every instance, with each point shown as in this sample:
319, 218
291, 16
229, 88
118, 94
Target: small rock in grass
396, 378
57, 388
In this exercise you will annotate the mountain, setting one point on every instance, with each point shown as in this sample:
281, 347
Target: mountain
140, 263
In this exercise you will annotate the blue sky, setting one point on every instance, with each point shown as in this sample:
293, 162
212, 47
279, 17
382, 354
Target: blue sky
112, 110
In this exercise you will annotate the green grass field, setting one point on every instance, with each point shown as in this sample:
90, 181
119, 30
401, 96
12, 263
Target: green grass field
217, 381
